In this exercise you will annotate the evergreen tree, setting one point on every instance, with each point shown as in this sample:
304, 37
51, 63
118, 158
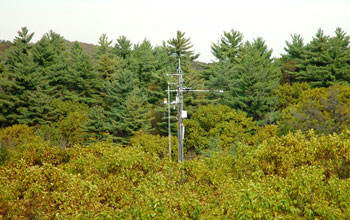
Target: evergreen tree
122, 48
227, 49
9, 101
322, 62
57, 41
35, 109
156, 91
26, 90
43, 54
52, 50
316, 65
115, 92
21, 47
99, 125
339, 51
108, 66
293, 59
123, 84
142, 62
2, 66
294, 49
83, 82
248, 83
158, 81
23, 87
103, 120
104, 46
45, 58
136, 115
151, 66
180, 47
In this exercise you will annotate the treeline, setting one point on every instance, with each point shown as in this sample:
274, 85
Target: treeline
120, 88
273, 145
108, 96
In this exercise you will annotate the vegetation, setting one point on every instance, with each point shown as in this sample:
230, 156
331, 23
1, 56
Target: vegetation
83, 133
302, 176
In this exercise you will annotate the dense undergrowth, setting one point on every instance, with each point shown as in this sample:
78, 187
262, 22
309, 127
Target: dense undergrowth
296, 176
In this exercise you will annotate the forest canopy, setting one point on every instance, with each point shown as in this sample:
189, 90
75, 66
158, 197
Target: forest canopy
83, 129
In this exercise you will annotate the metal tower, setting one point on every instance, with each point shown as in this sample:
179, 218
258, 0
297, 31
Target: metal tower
181, 114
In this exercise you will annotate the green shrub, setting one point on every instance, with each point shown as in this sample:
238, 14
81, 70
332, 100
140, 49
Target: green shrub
217, 122
296, 176
154, 144
326, 110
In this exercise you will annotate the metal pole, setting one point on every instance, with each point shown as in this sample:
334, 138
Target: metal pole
179, 101
169, 121
180, 119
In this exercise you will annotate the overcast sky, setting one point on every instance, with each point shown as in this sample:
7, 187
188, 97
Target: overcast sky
203, 21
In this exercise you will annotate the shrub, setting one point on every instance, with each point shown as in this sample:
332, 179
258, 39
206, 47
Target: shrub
67, 132
326, 110
15, 135
155, 144
211, 122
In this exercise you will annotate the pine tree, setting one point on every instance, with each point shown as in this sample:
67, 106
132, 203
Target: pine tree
20, 83
108, 63
142, 62
45, 57
180, 47
99, 125
9, 101
103, 120
36, 109
26, 89
2, 66
123, 84
122, 47
21, 49
43, 54
322, 62
50, 55
115, 92
83, 81
227, 49
136, 115
57, 41
294, 49
248, 83
108, 66
293, 60
156, 91
339, 51
316, 65
52, 50
104, 46
25, 79
158, 81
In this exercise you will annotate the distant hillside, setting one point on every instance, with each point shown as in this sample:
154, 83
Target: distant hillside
198, 65
4, 46
89, 48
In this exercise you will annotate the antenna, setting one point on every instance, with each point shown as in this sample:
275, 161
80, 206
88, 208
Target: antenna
169, 121
181, 114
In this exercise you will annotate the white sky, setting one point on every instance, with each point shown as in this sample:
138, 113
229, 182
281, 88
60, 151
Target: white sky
158, 20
